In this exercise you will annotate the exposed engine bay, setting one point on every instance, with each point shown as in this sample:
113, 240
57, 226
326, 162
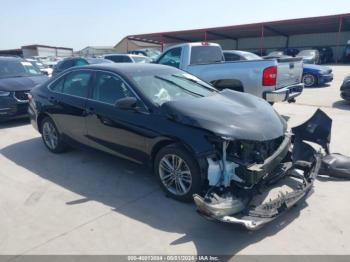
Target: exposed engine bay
252, 182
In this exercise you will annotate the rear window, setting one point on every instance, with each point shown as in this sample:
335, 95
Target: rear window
206, 54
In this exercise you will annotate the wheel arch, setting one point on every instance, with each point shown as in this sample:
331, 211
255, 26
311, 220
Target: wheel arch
233, 84
40, 118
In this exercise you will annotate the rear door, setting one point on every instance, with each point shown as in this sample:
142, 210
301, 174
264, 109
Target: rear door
289, 72
69, 99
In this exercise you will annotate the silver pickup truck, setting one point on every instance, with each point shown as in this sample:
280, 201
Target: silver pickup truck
274, 80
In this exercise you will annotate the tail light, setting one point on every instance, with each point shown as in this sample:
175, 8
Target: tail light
269, 76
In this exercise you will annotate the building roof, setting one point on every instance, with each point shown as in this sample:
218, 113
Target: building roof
98, 47
321, 24
47, 46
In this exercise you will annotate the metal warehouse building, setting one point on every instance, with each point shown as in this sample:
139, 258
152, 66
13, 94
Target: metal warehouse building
39, 50
332, 31
96, 50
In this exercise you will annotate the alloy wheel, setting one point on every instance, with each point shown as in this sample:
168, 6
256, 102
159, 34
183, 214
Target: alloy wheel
308, 80
50, 135
175, 174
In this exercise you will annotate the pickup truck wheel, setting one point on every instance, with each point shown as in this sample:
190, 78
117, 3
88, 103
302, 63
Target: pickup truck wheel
51, 136
309, 80
177, 172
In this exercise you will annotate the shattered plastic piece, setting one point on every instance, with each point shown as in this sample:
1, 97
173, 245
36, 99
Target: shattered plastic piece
336, 165
218, 206
317, 129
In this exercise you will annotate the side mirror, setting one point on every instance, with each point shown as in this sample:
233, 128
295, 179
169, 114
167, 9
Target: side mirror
126, 103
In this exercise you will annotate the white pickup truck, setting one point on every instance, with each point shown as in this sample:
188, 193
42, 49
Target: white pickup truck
274, 80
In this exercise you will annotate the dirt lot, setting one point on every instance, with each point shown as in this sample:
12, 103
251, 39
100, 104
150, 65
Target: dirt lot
86, 202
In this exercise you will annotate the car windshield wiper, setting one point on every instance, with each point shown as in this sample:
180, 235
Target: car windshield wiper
194, 81
177, 85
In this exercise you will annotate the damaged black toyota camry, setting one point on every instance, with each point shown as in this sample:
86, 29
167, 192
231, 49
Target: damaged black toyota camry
228, 151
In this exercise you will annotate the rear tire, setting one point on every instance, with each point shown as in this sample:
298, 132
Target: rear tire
178, 172
51, 136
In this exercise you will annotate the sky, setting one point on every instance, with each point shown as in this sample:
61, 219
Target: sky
81, 23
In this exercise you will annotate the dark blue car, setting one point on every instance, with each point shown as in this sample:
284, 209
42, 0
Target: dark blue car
17, 78
316, 75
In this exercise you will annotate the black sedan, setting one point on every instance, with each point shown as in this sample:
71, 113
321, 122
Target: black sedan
17, 78
220, 149
345, 89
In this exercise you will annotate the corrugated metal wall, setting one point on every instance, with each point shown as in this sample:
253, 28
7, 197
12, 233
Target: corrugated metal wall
297, 41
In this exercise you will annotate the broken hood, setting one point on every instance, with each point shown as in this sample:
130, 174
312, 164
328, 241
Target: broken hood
229, 114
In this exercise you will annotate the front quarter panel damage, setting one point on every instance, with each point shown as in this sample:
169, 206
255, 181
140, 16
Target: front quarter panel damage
282, 179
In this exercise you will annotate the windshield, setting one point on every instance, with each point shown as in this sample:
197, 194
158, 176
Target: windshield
307, 53
140, 59
17, 68
153, 53
251, 56
37, 64
166, 87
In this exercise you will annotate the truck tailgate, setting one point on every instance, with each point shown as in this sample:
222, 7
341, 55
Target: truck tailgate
289, 71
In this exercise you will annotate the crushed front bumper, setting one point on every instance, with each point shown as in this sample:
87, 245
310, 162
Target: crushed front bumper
287, 178
255, 217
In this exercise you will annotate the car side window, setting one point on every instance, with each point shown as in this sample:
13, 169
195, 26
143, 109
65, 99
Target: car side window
58, 85
109, 88
66, 64
115, 58
77, 84
231, 57
127, 59
171, 58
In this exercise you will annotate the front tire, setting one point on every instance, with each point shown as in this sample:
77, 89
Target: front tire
51, 137
178, 172
309, 80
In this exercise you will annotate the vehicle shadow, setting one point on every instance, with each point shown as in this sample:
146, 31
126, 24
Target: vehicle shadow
14, 123
318, 86
341, 104
131, 190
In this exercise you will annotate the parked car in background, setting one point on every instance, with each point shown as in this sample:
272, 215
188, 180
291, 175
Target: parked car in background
42, 67
326, 54
269, 79
127, 58
68, 63
316, 75
313, 75
237, 55
345, 89
93, 60
283, 52
149, 52
17, 78
309, 56
168, 119
346, 54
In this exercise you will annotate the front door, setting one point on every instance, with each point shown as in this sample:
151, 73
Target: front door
117, 131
